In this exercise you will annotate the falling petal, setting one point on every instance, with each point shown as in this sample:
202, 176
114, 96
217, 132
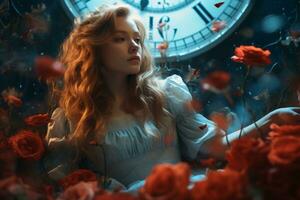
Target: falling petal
202, 127
223, 121
218, 5
37, 120
218, 26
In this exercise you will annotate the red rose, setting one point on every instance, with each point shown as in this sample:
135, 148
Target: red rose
13, 100
209, 163
217, 80
247, 153
27, 145
167, 181
77, 176
12, 97
276, 130
285, 150
37, 120
115, 196
49, 192
82, 191
222, 185
48, 68
250, 55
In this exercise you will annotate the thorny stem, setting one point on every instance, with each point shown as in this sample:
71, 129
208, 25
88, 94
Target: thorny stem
246, 105
282, 94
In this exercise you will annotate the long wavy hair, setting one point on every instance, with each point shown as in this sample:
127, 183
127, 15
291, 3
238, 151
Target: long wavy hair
85, 97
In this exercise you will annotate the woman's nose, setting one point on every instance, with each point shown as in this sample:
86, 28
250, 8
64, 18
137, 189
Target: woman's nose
134, 46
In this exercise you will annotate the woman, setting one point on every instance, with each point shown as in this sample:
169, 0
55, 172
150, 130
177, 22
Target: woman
117, 117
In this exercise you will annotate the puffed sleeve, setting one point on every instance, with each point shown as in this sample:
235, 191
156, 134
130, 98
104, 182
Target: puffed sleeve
61, 157
192, 128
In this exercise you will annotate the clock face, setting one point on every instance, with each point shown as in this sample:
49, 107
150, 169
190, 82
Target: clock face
190, 27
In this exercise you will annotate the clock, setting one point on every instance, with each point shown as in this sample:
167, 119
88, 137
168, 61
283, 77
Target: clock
186, 25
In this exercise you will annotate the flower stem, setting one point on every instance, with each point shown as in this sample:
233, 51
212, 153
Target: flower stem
243, 97
246, 105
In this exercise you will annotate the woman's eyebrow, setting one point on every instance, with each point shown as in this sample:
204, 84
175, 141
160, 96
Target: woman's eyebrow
126, 32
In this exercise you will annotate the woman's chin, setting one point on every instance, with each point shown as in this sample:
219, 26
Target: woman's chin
134, 71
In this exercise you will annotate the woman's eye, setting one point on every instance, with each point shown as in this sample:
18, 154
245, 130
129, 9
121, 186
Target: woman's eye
119, 39
137, 40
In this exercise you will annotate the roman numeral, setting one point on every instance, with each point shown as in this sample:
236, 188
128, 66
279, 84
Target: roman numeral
203, 13
151, 23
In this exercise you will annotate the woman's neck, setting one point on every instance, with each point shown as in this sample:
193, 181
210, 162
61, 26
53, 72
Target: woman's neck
117, 84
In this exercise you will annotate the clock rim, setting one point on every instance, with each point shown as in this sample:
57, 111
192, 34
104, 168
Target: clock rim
162, 11
68, 9
72, 15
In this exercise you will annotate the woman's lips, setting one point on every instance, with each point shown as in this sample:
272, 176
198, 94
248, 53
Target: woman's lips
134, 59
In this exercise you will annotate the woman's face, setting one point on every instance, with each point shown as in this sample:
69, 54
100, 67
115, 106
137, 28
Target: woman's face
122, 54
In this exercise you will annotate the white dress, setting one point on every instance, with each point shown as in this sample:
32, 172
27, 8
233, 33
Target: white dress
132, 149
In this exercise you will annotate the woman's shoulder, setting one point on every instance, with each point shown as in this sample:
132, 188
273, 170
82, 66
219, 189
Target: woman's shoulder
174, 78
58, 113
175, 88
176, 93
58, 125
171, 84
